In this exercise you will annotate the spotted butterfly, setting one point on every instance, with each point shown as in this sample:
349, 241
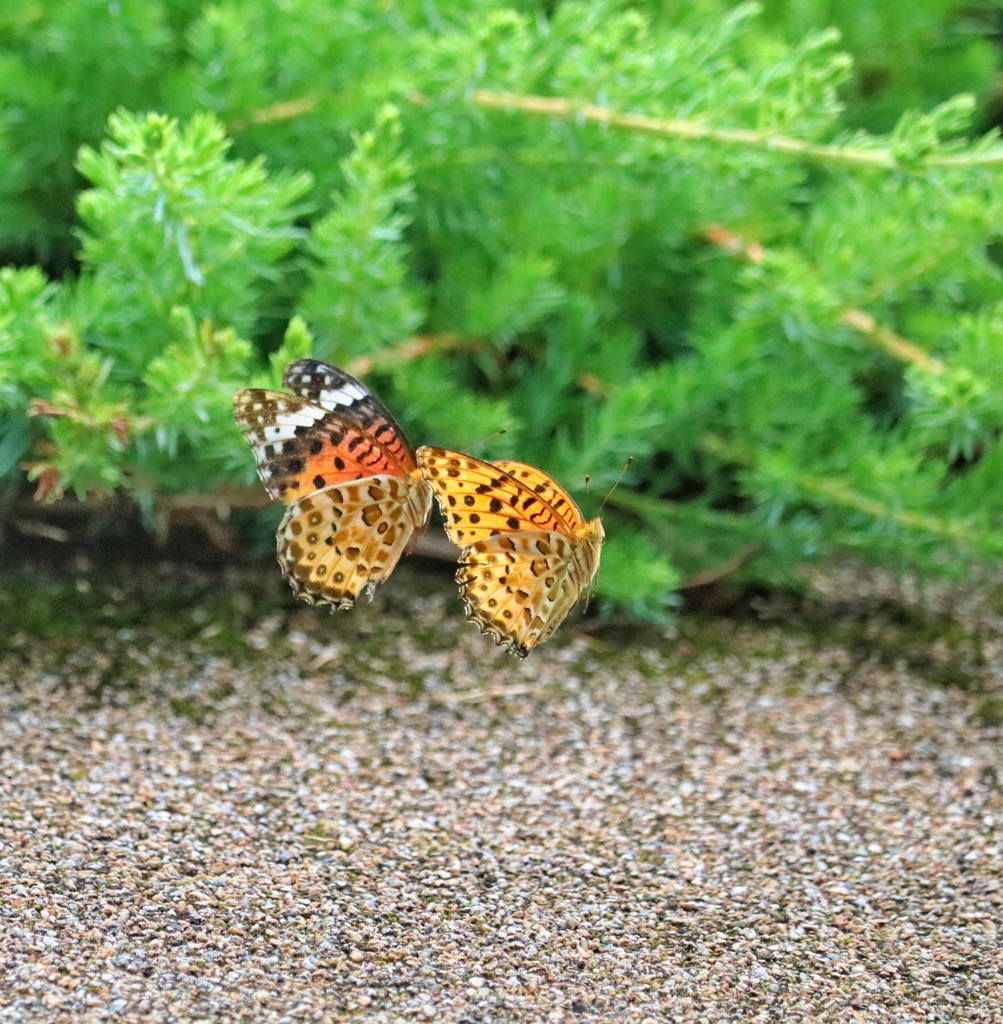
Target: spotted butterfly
528, 552
337, 458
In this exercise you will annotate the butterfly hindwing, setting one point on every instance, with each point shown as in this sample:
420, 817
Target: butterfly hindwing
335, 542
518, 587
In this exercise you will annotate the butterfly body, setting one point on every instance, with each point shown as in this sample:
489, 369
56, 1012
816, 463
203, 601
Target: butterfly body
356, 499
527, 551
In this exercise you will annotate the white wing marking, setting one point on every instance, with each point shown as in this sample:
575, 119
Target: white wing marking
345, 395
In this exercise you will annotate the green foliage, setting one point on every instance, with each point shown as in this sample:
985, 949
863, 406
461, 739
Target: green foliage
357, 300
64, 66
794, 327
637, 578
170, 222
908, 55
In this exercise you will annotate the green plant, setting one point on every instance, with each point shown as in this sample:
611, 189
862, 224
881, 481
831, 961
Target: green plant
606, 233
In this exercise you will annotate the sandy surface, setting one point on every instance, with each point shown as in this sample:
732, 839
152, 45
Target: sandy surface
210, 810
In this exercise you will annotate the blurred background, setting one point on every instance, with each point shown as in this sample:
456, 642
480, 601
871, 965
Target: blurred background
756, 247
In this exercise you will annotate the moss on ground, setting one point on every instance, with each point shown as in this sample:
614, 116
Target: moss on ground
140, 612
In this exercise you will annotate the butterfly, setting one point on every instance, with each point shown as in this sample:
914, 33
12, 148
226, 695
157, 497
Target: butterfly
528, 552
338, 459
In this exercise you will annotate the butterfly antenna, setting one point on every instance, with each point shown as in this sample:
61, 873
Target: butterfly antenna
626, 466
490, 437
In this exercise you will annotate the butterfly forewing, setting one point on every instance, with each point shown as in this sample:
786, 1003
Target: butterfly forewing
547, 488
479, 500
331, 388
300, 448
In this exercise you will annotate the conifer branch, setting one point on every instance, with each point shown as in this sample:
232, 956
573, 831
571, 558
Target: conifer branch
838, 492
892, 343
858, 156
877, 334
647, 507
414, 348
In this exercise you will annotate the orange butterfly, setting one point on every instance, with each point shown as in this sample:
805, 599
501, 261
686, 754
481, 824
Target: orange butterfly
528, 552
341, 463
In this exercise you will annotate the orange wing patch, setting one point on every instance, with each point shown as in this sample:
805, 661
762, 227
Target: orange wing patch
527, 551
339, 392
480, 500
300, 448
548, 489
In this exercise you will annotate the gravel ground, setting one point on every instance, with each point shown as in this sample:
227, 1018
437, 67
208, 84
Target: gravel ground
215, 805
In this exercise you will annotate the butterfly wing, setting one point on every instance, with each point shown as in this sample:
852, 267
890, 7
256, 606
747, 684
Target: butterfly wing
523, 564
300, 447
480, 500
548, 489
340, 393
335, 542
519, 587
339, 481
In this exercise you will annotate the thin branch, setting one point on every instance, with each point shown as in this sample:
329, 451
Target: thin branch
438, 547
718, 447
201, 506
47, 531
885, 158
485, 693
651, 508
838, 492
718, 572
220, 501
877, 334
890, 342
414, 348
551, 106
205, 511
285, 111
734, 244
